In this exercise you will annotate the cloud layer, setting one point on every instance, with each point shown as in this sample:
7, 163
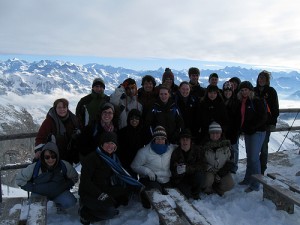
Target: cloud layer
253, 32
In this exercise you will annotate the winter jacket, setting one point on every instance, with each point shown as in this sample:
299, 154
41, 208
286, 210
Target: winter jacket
147, 99
50, 183
89, 106
216, 157
188, 110
97, 178
130, 140
233, 111
197, 91
168, 116
209, 111
66, 132
190, 158
124, 104
270, 95
147, 161
255, 116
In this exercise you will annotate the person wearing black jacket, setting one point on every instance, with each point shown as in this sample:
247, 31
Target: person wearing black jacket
185, 165
269, 95
253, 119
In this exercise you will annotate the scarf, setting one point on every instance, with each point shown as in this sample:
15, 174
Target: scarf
107, 127
159, 148
114, 163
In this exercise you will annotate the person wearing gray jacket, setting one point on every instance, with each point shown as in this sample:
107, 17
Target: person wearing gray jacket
50, 177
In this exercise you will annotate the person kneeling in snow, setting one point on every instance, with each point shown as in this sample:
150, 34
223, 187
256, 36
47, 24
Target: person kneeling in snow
186, 168
50, 177
104, 183
217, 162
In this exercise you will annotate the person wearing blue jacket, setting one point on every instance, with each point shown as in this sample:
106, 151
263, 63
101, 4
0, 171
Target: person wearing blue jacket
50, 177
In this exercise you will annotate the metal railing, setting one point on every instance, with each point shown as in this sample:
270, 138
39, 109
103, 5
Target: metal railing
31, 135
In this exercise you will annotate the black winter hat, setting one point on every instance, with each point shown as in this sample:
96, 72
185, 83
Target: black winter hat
246, 84
98, 81
133, 112
168, 74
185, 133
109, 137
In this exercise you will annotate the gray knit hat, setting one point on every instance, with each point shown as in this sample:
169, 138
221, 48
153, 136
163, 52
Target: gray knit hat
98, 81
215, 128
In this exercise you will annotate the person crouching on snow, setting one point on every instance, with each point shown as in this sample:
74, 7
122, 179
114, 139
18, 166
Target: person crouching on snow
217, 162
104, 184
50, 177
152, 163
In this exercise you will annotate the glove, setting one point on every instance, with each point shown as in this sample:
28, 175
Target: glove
103, 196
152, 176
181, 168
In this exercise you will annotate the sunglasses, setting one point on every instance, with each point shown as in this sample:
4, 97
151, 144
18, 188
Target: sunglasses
46, 157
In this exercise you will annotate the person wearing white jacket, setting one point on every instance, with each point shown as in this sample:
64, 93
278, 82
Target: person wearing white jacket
152, 163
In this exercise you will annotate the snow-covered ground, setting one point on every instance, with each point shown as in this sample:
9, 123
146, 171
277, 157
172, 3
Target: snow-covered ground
235, 207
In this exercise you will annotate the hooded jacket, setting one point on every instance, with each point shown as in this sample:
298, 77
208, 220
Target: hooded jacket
50, 181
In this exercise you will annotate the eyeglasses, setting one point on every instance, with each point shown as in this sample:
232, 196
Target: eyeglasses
47, 157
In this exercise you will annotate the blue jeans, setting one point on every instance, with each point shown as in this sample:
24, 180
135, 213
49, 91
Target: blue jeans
64, 200
253, 145
264, 153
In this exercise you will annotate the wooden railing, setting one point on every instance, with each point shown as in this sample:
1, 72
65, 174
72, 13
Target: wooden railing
31, 135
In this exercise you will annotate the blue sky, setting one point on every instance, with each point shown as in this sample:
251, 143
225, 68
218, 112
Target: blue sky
147, 34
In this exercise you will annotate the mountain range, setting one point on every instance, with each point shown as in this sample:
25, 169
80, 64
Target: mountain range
24, 78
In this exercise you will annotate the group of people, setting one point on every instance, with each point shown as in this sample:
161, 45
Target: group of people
184, 136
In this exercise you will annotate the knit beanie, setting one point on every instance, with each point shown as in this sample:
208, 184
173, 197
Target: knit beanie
213, 75
227, 86
167, 74
106, 106
185, 133
214, 128
109, 137
98, 81
159, 131
246, 84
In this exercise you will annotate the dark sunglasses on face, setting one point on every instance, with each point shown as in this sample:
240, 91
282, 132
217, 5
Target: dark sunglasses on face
49, 156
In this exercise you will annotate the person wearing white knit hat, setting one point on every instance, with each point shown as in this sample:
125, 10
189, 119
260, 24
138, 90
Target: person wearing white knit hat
218, 163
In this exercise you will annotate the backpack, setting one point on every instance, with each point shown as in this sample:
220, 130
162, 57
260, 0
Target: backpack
38, 166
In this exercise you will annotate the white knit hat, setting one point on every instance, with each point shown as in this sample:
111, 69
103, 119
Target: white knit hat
215, 128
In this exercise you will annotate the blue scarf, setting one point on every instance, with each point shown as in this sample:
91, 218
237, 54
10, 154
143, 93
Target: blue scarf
120, 172
159, 148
